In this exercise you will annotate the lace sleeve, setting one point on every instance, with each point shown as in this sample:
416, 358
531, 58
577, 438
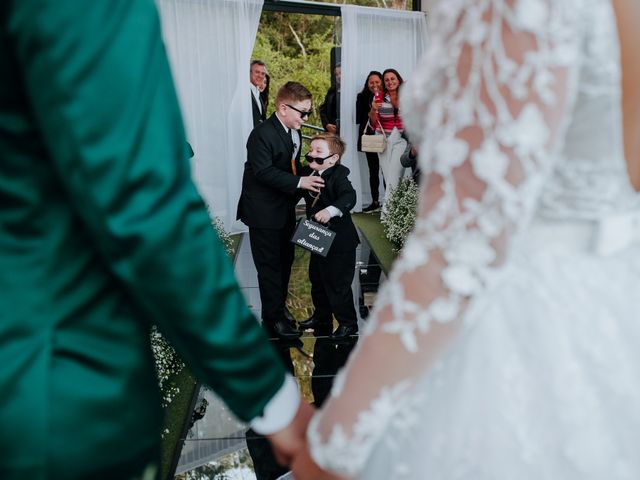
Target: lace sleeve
489, 103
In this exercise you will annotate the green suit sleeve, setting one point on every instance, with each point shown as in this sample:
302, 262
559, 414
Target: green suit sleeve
100, 87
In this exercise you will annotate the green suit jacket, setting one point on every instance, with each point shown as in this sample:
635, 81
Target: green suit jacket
101, 234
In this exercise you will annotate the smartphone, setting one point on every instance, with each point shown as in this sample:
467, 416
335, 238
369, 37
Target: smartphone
377, 97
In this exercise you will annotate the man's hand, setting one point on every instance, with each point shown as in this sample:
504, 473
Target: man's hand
323, 216
304, 468
331, 128
312, 183
288, 442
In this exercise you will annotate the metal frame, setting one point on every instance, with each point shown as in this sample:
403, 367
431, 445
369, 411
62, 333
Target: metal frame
313, 8
309, 8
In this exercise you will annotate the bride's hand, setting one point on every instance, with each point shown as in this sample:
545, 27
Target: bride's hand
304, 468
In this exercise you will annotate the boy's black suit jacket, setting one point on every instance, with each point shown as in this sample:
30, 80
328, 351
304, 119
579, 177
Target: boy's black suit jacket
338, 192
269, 187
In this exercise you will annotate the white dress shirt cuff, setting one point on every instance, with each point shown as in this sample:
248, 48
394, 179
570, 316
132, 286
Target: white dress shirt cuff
299, 182
334, 211
280, 410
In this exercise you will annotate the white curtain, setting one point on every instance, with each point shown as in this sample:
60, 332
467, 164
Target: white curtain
209, 43
373, 39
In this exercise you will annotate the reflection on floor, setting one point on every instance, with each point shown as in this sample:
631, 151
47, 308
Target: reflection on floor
217, 443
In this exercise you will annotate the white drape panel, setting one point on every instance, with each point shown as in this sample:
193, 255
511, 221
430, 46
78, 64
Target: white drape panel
373, 39
209, 43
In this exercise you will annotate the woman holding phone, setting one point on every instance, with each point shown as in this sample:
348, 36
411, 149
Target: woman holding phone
372, 88
385, 115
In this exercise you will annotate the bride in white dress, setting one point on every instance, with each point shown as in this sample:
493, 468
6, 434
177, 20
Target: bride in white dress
506, 342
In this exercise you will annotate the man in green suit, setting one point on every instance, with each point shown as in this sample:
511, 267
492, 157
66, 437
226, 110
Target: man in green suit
102, 233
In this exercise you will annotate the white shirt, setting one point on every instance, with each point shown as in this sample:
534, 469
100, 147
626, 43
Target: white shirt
333, 211
280, 410
295, 138
256, 94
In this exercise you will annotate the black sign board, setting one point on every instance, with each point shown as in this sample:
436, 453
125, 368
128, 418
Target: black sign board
314, 237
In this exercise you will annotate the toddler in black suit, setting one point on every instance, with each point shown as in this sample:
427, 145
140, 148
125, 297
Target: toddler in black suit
331, 276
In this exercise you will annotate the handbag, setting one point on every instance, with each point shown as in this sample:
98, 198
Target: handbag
373, 143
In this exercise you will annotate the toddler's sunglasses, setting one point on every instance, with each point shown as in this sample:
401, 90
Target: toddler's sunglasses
318, 160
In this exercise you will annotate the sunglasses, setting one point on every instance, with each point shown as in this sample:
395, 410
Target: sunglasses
302, 113
319, 161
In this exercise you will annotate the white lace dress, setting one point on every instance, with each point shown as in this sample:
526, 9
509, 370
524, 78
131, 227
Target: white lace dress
506, 342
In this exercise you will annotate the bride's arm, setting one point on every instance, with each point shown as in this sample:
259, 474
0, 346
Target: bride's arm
499, 81
628, 16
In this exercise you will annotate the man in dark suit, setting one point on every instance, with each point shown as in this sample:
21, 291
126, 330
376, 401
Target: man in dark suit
271, 187
102, 233
257, 77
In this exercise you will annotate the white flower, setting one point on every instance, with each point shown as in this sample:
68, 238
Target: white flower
490, 223
490, 163
460, 279
506, 69
406, 331
450, 153
532, 15
462, 110
444, 309
476, 30
543, 83
529, 133
471, 249
401, 212
514, 210
414, 252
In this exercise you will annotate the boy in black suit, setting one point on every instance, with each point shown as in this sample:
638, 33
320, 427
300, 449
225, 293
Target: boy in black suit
271, 187
332, 275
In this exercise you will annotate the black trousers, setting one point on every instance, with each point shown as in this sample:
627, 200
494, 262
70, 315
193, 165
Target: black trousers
328, 358
373, 161
331, 293
272, 253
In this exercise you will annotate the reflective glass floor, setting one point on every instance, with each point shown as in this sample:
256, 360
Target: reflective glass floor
218, 446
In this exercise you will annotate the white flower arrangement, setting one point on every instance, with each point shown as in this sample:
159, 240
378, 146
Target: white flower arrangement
223, 234
400, 216
168, 363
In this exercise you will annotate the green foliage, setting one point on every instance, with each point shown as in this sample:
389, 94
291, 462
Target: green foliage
298, 46
400, 217
303, 56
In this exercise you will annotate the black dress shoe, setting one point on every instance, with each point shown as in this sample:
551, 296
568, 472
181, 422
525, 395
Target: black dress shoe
374, 206
313, 322
344, 331
309, 323
283, 329
290, 318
